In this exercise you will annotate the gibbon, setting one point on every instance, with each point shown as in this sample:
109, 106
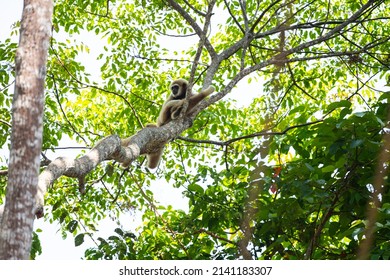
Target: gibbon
172, 108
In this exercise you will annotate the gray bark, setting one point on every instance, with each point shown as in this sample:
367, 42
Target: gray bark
26, 136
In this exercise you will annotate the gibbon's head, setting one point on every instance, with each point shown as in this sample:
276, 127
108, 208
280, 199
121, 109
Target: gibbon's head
179, 89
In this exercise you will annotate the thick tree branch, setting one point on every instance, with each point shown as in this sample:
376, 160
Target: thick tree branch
145, 141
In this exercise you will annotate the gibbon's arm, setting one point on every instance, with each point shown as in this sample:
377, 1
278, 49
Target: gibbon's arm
166, 111
192, 102
196, 98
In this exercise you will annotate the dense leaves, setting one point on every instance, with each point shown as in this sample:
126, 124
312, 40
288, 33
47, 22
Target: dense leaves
282, 167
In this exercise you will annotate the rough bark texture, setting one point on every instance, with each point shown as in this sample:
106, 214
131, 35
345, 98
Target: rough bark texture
145, 141
26, 137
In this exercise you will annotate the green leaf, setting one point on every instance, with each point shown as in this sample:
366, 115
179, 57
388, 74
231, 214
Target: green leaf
79, 239
119, 231
329, 168
196, 188
356, 143
72, 226
339, 104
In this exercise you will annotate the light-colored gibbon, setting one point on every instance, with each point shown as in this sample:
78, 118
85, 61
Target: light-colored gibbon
172, 109
173, 106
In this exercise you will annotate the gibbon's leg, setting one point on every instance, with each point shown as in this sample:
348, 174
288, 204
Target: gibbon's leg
166, 112
196, 98
176, 109
176, 106
154, 158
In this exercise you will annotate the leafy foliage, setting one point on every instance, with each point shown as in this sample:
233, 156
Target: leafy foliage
287, 175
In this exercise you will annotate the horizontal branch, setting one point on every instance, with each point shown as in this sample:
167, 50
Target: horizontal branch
311, 25
76, 168
145, 141
253, 135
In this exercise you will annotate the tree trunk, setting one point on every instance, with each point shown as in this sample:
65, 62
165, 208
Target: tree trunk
26, 137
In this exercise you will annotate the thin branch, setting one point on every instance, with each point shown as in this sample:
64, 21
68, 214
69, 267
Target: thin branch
99, 15
286, 20
233, 17
244, 41
57, 95
253, 135
172, 35
193, 24
263, 14
310, 25
7, 86
166, 59
98, 88
297, 85
194, 9
5, 123
245, 72
202, 42
320, 227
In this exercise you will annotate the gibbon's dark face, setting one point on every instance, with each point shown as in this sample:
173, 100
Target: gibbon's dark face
179, 89
175, 90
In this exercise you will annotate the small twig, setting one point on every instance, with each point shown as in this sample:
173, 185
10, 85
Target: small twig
98, 88
57, 95
7, 86
5, 122
297, 85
